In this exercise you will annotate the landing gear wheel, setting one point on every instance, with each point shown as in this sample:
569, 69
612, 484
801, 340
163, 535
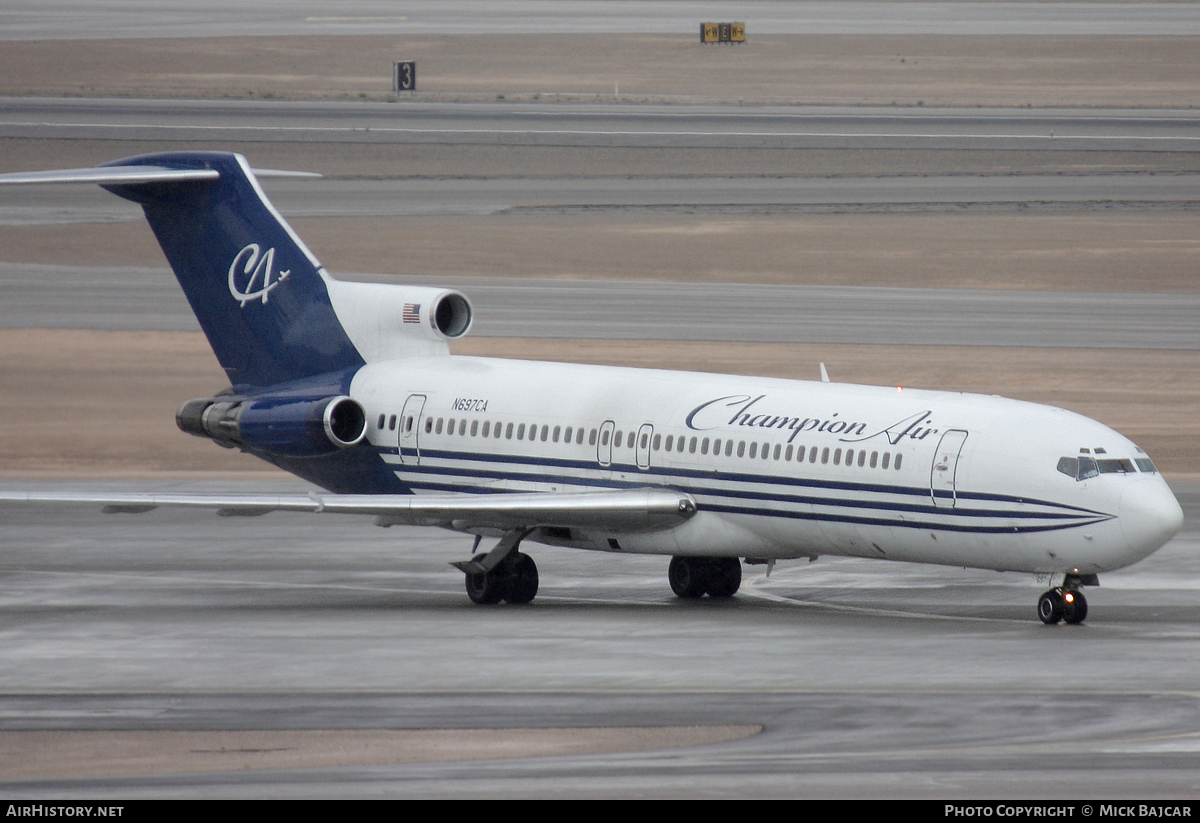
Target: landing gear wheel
1050, 607
687, 576
523, 583
1075, 608
484, 588
724, 577
1067, 605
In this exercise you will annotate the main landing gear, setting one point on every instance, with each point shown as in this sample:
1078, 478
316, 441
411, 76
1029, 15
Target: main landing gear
1066, 603
698, 576
502, 574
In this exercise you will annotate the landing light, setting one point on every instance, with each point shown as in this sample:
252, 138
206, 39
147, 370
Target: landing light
899, 388
1070, 598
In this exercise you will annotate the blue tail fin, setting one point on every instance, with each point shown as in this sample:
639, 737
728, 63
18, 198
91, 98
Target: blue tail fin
258, 292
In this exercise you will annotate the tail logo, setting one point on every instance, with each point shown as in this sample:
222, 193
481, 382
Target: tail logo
261, 270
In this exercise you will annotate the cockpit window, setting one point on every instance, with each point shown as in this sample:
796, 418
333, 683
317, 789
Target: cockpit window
1145, 464
1087, 468
1082, 468
1068, 466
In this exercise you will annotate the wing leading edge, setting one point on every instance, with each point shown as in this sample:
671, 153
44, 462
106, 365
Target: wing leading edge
633, 510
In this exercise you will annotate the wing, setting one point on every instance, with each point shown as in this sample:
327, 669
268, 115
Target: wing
632, 510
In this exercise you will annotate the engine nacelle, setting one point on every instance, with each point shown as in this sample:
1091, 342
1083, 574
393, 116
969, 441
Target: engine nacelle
385, 321
290, 426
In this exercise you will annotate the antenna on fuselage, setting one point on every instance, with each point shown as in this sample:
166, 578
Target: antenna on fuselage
824, 374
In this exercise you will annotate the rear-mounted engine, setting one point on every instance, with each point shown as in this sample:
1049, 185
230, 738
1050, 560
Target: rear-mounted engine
291, 426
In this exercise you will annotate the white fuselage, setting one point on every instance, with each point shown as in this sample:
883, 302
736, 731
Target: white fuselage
778, 468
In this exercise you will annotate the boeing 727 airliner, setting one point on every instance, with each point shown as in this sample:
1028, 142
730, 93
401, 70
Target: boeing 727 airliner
352, 387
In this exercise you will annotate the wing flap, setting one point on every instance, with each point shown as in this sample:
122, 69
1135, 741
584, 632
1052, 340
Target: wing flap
632, 510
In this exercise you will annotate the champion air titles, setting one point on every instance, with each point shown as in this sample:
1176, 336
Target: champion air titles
745, 410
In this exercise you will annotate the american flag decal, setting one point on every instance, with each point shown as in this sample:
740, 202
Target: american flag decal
412, 312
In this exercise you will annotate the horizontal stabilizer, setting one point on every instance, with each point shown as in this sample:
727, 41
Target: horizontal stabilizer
132, 175
112, 175
633, 510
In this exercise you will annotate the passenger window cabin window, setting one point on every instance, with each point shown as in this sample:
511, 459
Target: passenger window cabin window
874, 459
825, 455
617, 439
898, 457
716, 445
645, 439
691, 447
592, 437
753, 449
392, 423
474, 427
381, 419
887, 458
438, 429
729, 448
670, 442
567, 434
557, 432
837, 457
703, 446
508, 431
862, 458
579, 437
487, 428
657, 442
521, 432
787, 455
428, 425
496, 429
778, 447
604, 438
545, 432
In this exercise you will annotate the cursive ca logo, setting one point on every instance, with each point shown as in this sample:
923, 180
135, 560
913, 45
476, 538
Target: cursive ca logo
261, 268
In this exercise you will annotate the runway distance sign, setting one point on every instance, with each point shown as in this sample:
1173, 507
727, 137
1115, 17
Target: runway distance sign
404, 75
722, 32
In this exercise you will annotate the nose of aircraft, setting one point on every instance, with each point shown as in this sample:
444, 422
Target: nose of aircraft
1150, 515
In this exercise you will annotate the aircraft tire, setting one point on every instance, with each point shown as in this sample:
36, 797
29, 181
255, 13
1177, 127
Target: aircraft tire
484, 588
1076, 613
686, 576
523, 585
724, 577
1050, 607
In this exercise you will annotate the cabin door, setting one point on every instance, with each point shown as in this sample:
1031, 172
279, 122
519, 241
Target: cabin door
410, 429
945, 466
604, 443
642, 448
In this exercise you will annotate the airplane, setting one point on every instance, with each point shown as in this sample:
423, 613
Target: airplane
352, 387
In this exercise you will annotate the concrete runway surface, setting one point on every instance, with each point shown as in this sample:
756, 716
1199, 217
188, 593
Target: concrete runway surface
87, 297
868, 679
79, 19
